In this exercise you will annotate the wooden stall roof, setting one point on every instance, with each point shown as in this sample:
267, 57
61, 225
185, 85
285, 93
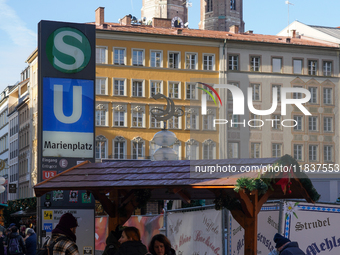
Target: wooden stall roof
164, 178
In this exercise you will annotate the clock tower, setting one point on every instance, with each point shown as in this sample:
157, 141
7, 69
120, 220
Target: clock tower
176, 10
221, 15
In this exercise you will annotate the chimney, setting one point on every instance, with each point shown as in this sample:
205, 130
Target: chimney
287, 40
126, 20
234, 29
249, 32
161, 23
100, 16
294, 33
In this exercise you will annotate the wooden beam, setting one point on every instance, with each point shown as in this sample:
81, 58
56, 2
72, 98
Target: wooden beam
246, 203
250, 230
263, 199
108, 206
239, 216
184, 196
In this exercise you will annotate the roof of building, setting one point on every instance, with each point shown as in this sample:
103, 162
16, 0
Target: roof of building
162, 177
209, 34
332, 31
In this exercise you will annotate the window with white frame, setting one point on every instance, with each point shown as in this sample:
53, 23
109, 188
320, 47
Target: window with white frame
209, 98
154, 123
297, 66
137, 57
314, 95
119, 56
191, 118
191, 92
137, 148
233, 150
208, 62
155, 88
137, 116
101, 86
233, 120
174, 90
119, 115
209, 149
255, 63
328, 153
230, 96
255, 121
313, 152
327, 95
137, 89
101, 114
276, 122
277, 65
255, 151
156, 58
119, 147
119, 87
298, 149
278, 89
101, 147
313, 123
174, 60
101, 53
312, 67
327, 124
208, 120
191, 149
298, 123
256, 92
327, 68
191, 61
297, 95
233, 62
175, 121
276, 150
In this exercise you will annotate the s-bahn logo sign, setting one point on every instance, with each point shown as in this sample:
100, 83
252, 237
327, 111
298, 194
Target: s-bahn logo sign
68, 50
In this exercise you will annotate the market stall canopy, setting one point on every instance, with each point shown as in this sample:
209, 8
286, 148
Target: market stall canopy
22, 213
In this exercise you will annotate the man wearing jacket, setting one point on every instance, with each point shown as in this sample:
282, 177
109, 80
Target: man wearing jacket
31, 242
16, 245
66, 232
285, 247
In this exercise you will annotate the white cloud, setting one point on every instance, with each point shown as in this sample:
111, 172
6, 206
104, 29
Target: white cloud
11, 23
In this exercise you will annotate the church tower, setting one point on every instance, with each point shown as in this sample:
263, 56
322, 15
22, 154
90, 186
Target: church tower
176, 10
221, 15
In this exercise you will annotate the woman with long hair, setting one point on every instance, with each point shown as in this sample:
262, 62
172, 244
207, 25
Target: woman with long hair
131, 243
160, 245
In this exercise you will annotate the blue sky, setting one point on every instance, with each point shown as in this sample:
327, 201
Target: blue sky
19, 19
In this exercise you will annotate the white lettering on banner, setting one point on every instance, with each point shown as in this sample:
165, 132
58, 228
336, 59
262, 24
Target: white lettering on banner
58, 104
69, 50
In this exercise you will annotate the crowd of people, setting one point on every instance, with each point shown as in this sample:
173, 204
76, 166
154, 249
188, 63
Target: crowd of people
15, 241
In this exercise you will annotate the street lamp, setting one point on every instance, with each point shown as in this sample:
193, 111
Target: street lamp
165, 138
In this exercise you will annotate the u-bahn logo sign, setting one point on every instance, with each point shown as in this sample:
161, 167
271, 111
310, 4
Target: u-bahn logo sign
68, 50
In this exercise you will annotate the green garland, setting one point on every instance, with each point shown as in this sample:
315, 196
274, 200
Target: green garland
264, 182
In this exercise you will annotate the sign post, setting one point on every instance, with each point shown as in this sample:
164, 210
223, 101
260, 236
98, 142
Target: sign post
66, 107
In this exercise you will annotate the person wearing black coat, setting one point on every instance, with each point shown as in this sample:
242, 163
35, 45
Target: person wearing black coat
130, 243
15, 235
31, 242
160, 245
285, 247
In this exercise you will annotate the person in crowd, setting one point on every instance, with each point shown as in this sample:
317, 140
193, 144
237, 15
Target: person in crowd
131, 243
22, 231
2, 250
31, 242
2, 229
160, 245
15, 243
112, 243
285, 247
66, 232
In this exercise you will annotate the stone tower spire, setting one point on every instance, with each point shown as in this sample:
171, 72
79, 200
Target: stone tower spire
221, 15
176, 10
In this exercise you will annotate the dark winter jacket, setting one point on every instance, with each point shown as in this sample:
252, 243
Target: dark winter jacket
31, 244
132, 248
111, 244
20, 240
292, 248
